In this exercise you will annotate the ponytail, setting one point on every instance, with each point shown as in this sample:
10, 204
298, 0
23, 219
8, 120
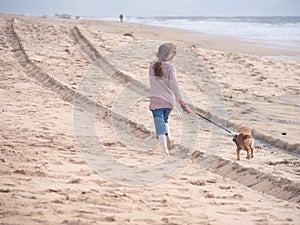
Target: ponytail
157, 69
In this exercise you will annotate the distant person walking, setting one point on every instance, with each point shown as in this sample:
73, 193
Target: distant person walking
121, 17
164, 92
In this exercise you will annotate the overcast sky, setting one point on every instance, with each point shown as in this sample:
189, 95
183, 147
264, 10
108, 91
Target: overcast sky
153, 7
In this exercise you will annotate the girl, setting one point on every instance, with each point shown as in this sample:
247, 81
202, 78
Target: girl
164, 92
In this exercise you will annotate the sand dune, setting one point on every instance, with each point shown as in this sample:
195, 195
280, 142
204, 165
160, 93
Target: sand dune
49, 174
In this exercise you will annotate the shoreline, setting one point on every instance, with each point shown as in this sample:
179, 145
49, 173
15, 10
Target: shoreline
217, 42
206, 41
182, 36
165, 21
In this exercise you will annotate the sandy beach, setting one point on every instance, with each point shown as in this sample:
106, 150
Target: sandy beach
77, 138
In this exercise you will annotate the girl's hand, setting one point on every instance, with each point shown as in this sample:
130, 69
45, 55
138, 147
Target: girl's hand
184, 106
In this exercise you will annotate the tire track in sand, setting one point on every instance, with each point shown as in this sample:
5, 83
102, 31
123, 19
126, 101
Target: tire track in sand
281, 188
63, 91
143, 90
247, 176
254, 178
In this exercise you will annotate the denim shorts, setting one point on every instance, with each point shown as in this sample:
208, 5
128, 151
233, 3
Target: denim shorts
161, 117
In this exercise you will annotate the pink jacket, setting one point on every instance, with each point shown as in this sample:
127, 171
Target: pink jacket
164, 92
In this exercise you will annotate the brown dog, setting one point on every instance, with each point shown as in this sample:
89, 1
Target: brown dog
244, 140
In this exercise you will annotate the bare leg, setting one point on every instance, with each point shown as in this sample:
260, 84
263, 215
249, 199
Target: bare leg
169, 143
163, 141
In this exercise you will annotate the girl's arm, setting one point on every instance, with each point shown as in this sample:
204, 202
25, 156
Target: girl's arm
174, 84
176, 90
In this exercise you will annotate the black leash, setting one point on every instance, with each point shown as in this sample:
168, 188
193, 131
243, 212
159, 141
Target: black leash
213, 123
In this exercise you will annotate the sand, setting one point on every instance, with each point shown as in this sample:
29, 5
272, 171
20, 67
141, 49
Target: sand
54, 172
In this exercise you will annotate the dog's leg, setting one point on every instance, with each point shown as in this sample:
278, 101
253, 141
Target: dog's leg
248, 152
238, 150
252, 147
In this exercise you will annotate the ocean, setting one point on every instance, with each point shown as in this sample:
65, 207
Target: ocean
279, 32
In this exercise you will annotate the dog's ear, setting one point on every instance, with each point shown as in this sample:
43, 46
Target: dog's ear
234, 138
